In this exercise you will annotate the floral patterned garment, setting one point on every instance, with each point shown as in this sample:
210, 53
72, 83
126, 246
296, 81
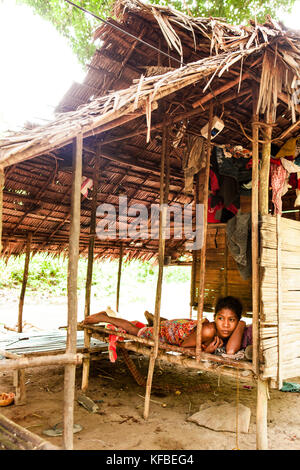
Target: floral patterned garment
279, 179
171, 331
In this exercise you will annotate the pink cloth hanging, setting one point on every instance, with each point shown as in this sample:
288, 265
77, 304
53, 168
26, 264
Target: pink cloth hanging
279, 177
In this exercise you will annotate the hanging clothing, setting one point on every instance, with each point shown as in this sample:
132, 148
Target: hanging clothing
238, 231
289, 165
297, 200
235, 151
279, 183
214, 211
237, 168
288, 149
229, 191
215, 202
86, 186
194, 162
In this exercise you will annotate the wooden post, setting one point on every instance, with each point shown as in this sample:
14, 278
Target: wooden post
18, 379
262, 385
19, 384
39, 361
89, 274
161, 255
195, 253
203, 249
279, 301
2, 179
193, 274
262, 415
265, 170
69, 379
24, 282
254, 234
119, 277
225, 288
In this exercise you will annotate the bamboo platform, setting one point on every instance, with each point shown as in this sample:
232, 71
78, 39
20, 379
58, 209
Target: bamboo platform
46, 342
176, 355
43, 346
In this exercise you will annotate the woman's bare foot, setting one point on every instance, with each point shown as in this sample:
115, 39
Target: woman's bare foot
150, 318
96, 318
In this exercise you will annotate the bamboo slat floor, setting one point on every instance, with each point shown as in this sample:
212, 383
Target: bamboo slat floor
54, 340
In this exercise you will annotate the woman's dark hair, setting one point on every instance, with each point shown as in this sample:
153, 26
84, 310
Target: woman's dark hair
229, 302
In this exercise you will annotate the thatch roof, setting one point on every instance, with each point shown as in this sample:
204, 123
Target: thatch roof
223, 63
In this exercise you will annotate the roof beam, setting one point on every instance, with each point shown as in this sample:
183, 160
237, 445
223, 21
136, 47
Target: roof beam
222, 89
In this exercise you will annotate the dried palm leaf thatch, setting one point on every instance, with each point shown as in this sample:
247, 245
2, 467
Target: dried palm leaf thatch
95, 116
274, 81
157, 70
168, 30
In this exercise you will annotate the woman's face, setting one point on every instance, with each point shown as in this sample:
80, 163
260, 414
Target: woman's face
226, 321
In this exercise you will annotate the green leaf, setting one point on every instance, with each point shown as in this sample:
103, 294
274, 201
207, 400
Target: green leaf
78, 26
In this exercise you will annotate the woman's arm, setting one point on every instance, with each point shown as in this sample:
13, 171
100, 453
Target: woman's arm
235, 341
208, 333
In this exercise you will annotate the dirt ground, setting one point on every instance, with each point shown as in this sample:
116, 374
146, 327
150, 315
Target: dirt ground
119, 423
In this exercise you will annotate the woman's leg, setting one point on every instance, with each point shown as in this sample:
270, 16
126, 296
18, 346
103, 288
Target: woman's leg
118, 322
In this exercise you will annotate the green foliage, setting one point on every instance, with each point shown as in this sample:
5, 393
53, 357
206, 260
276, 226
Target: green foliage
234, 11
78, 27
49, 275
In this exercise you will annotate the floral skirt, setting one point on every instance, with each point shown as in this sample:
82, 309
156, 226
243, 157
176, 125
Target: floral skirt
171, 331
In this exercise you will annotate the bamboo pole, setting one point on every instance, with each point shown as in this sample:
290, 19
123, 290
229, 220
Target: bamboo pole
20, 388
69, 379
265, 169
224, 88
192, 288
89, 274
262, 385
225, 288
195, 253
18, 379
279, 301
24, 282
203, 249
262, 415
161, 254
15, 434
92, 237
28, 362
187, 362
254, 232
119, 277
2, 180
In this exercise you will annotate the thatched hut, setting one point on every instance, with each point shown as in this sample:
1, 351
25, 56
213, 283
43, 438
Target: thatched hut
136, 127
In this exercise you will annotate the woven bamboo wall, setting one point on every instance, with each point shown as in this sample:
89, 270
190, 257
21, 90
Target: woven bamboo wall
280, 298
221, 275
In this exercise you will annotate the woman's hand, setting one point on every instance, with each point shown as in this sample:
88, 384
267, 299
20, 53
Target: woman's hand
213, 345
